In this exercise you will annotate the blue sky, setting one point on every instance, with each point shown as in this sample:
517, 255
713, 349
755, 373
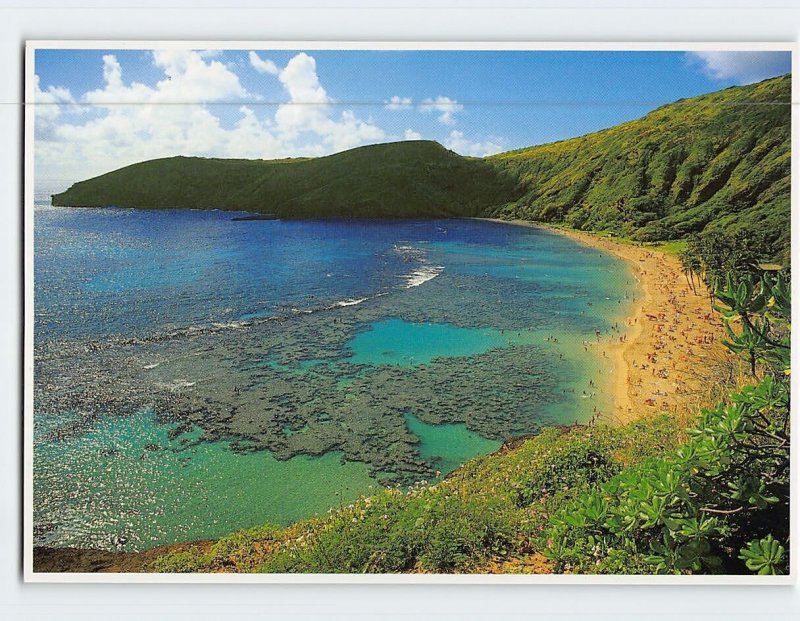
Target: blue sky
107, 108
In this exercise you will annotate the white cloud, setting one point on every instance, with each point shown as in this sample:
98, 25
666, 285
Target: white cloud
458, 143
448, 108
188, 78
210, 53
49, 103
132, 122
741, 67
398, 103
262, 65
299, 78
199, 107
308, 110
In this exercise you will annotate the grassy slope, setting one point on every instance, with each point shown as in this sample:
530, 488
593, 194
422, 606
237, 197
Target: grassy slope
719, 160
407, 179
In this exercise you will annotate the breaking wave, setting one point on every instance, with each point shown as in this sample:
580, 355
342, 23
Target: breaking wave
422, 275
423, 272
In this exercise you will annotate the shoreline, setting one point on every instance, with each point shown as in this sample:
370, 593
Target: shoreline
673, 336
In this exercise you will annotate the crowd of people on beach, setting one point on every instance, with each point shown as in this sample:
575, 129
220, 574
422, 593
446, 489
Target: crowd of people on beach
677, 331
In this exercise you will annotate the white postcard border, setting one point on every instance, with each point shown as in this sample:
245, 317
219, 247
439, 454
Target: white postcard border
553, 579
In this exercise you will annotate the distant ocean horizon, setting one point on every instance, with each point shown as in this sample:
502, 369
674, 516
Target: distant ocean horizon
196, 374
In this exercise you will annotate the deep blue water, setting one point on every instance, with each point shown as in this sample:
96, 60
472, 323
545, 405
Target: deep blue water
127, 271
123, 270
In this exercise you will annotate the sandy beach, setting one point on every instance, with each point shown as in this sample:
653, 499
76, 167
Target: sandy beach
665, 359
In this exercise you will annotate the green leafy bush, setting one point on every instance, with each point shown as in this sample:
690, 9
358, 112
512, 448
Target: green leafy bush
764, 556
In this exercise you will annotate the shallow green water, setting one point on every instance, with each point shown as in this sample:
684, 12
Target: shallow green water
132, 487
449, 446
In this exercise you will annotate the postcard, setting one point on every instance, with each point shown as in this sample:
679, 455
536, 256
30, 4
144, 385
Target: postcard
408, 312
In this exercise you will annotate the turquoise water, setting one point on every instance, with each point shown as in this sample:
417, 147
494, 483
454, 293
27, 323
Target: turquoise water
398, 342
449, 446
195, 375
194, 490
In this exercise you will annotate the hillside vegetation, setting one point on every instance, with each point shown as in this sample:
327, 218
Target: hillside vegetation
719, 161
403, 180
716, 162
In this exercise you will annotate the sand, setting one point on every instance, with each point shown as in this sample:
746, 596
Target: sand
667, 355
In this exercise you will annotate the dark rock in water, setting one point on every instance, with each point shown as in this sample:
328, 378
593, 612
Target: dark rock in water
179, 430
152, 447
364, 418
261, 216
40, 529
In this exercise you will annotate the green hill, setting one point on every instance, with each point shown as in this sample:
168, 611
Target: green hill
405, 179
718, 161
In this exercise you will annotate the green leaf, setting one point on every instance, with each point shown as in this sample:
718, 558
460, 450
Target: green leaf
764, 556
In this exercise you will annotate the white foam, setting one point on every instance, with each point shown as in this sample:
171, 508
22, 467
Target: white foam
228, 324
177, 384
351, 302
422, 275
424, 271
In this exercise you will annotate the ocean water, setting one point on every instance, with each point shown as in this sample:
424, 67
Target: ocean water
133, 485
196, 374
449, 446
403, 343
